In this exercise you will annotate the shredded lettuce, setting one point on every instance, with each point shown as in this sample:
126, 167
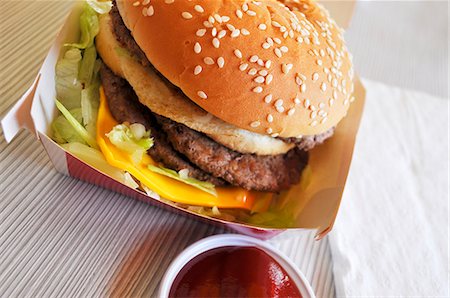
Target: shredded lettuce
77, 82
100, 7
63, 131
77, 125
68, 87
89, 107
204, 186
89, 27
87, 73
123, 138
96, 159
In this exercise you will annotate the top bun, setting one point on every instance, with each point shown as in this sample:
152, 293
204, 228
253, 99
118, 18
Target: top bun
272, 67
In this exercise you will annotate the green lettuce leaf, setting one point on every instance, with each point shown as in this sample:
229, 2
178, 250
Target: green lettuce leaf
100, 7
89, 27
86, 74
122, 137
63, 131
68, 88
204, 186
77, 127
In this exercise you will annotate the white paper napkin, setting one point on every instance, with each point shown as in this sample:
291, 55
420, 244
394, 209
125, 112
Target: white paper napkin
391, 234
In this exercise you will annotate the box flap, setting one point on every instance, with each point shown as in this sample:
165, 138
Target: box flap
19, 116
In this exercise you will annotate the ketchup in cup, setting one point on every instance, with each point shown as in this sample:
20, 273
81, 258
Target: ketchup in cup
233, 271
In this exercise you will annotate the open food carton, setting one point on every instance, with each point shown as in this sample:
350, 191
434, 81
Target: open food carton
311, 204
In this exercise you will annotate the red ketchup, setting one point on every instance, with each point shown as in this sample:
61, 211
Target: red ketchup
233, 272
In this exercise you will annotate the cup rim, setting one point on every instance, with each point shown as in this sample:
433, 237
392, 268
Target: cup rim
225, 240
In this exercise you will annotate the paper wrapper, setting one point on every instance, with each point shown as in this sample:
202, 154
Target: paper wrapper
312, 204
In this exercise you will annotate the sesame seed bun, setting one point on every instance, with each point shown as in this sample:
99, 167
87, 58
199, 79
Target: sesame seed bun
271, 67
163, 100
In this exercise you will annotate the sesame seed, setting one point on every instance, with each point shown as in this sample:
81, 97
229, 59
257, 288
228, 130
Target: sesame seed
144, 11
251, 13
169, 1
323, 87
199, 8
285, 68
319, 62
269, 130
315, 76
314, 123
277, 40
252, 71
297, 101
346, 102
208, 61
284, 49
150, 11
268, 64
207, 24
269, 79
216, 42
259, 79
245, 32
245, 7
291, 112
324, 120
262, 27
239, 14
279, 102
202, 95
269, 118
197, 48
225, 19
214, 32
235, 33
260, 62
137, 3
220, 62
253, 58
238, 53
258, 89
268, 98
201, 32
198, 69
255, 124
222, 34
243, 66
186, 15
265, 46
145, 2
274, 135
303, 88
321, 105
298, 80
211, 19
306, 103
280, 109
330, 102
278, 52
218, 18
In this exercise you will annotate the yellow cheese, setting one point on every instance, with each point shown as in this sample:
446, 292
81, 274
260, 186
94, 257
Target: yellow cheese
168, 188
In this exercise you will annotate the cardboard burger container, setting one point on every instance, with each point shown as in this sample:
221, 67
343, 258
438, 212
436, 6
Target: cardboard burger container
312, 204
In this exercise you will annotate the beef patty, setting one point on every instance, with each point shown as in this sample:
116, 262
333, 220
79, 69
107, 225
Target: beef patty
124, 37
125, 107
178, 147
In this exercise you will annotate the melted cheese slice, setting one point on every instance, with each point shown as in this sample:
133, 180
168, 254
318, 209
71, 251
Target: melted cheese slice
168, 188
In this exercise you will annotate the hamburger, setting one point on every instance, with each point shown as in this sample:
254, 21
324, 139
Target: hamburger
235, 93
